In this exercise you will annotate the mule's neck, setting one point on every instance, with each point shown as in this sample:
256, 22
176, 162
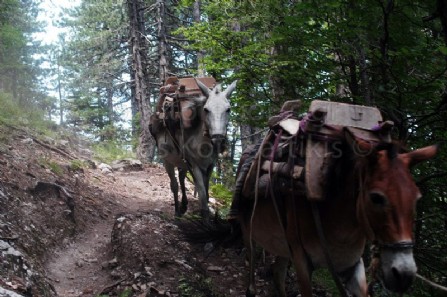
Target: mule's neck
345, 183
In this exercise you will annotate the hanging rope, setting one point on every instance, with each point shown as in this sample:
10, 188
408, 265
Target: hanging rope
254, 134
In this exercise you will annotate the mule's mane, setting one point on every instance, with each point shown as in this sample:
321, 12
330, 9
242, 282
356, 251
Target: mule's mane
350, 173
392, 149
217, 89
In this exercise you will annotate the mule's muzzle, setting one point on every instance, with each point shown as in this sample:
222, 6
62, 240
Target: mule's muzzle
398, 281
218, 138
398, 268
218, 141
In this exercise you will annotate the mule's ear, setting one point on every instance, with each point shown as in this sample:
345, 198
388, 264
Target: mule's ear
420, 155
359, 147
204, 88
230, 89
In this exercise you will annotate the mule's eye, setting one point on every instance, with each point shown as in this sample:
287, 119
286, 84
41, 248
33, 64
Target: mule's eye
206, 110
377, 199
228, 110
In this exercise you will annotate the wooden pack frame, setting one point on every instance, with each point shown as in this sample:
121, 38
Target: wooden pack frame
174, 94
186, 87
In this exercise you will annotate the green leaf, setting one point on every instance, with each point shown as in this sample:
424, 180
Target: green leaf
443, 50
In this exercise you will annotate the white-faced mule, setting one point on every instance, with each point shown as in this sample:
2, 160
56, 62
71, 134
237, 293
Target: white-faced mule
192, 138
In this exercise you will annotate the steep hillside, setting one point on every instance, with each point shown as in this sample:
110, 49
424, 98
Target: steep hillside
73, 227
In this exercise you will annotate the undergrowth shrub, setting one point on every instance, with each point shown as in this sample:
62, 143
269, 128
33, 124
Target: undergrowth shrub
222, 193
13, 114
109, 151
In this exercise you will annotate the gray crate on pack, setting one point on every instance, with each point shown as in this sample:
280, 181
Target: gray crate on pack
347, 115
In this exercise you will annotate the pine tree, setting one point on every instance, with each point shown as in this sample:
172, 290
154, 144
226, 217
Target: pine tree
95, 61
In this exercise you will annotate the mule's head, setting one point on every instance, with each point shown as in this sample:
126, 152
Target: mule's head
388, 206
217, 111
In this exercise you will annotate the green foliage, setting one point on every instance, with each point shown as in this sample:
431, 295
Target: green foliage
283, 51
196, 286
76, 165
12, 113
323, 278
55, 167
108, 151
126, 293
222, 193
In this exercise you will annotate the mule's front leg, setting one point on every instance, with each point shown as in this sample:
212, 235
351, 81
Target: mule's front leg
251, 288
170, 170
181, 177
300, 261
279, 274
199, 181
356, 280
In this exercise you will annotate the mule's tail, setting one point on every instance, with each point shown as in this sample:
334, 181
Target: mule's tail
218, 231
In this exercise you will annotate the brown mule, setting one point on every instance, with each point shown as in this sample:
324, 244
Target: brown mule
371, 195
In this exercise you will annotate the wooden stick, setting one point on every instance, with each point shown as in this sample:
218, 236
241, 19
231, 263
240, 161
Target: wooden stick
432, 284
282, 168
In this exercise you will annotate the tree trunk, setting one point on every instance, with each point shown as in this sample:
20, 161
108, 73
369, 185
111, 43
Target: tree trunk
14, 91
249, 135
110, 113
196, 17
275, 81
59, 90
442, 12
364, 77
138, 52
248, 132
162, 42
100, 116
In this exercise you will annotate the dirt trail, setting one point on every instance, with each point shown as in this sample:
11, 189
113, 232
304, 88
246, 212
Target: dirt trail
78, 269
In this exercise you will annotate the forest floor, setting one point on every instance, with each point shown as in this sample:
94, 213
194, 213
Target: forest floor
77, 229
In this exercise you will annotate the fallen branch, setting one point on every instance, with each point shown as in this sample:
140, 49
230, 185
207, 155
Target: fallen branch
42, 185
54, 149
432, 284
109, 288
5, 238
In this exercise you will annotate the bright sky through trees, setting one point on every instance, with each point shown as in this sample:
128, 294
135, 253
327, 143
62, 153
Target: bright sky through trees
50, 14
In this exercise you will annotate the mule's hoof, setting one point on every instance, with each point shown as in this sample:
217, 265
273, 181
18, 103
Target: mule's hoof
183, 209
250, 293
233, 214
205, 214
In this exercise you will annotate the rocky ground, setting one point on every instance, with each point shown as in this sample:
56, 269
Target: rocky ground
70, 227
